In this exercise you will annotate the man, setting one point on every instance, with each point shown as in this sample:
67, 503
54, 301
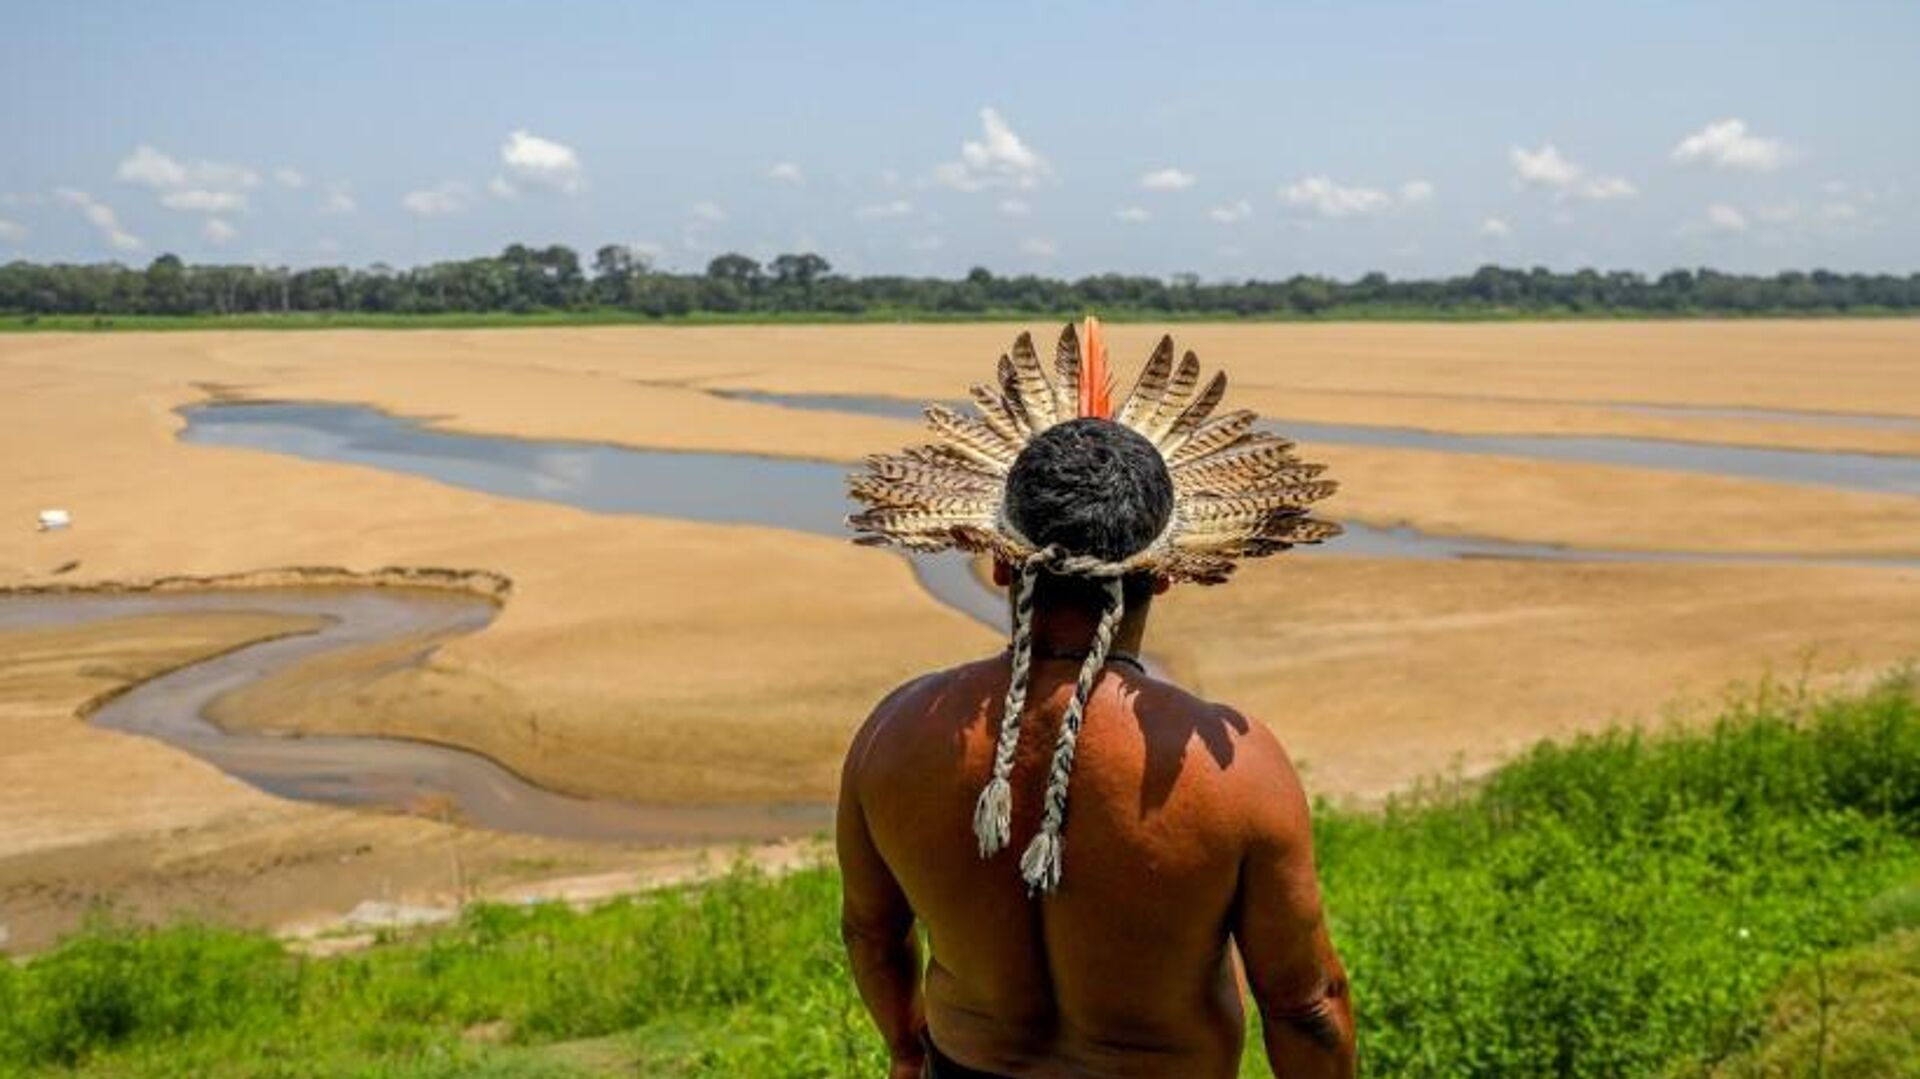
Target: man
1189, 835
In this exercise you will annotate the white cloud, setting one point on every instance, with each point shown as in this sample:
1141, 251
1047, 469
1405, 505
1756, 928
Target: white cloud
786, 172
890, 208
708, 213
1727, 144
198, 200
149, 167
999, 158
1039, 248
289, 177
1546, 168
152, 168
1168, 179
646, 249
1496, 228
1414, 192
210, 187
1329, 199
1132, 214
11, 231
217, 231
101, 217
451, 197
1839, 212
533, 159
1015, 207
926, 244
1602, 188
339, 200
1726, 218
502, 188
1228, 214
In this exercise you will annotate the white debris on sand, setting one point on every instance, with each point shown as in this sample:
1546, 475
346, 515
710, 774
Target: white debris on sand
54, 520
378, 914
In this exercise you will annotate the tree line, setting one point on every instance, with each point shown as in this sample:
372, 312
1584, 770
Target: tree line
523, 279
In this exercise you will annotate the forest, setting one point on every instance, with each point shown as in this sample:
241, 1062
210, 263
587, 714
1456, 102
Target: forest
620, 282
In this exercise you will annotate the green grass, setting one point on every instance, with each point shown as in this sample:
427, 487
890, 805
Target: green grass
1851, 1014
613, 316
1622, 905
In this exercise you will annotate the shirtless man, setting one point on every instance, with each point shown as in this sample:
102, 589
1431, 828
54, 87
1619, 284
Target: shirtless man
1188, 837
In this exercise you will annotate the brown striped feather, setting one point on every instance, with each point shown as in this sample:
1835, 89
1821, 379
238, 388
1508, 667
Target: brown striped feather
996, 415
1193, 415
1035, 389
878, 493
1213, 436
971, 437
1228, 483
1145, 395
1066, 375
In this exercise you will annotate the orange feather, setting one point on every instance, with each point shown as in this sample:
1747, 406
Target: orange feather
1096, 390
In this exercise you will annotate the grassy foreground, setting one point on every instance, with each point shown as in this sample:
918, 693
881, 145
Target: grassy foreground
1742, 899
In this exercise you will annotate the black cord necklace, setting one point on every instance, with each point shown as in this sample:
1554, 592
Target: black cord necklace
1125, 659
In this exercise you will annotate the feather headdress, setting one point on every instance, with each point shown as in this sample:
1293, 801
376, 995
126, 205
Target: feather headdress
1238, 493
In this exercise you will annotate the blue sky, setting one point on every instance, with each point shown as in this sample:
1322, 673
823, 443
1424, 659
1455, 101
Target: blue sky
1228, 140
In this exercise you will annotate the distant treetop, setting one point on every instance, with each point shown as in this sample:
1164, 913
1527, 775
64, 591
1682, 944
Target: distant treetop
525, 279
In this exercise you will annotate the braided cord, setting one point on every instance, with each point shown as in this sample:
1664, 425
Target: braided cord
993, 813
1041, 865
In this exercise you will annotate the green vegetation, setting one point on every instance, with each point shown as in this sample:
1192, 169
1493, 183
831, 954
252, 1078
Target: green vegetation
529, 286
1742, 899
1854, 1014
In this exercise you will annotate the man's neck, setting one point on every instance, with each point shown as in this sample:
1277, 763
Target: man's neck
1067, 631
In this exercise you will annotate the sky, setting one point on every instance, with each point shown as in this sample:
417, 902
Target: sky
1228, 140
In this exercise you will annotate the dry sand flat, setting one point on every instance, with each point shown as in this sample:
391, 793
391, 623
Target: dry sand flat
629, 644
1491, 378
88, 815
666, 660
634, 386
1378, 673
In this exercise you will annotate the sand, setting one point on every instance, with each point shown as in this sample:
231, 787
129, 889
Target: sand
664, 660
90, 816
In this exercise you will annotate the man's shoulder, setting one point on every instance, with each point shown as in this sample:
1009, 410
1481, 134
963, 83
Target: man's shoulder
1248, 757
919, 700
912, 695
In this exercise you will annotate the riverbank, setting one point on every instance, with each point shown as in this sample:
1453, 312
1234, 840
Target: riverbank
1618, 905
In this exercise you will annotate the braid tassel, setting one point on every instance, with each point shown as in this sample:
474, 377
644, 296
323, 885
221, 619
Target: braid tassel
1042, 863
993, 813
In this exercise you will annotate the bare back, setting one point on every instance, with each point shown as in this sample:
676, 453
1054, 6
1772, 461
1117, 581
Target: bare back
1186, 830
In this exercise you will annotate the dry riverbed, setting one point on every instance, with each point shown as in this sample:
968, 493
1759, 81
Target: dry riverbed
666, 660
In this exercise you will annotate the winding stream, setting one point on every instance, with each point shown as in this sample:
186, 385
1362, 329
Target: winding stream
1878, 473
392, 773
718, 488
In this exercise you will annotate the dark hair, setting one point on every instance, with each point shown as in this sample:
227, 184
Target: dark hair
1094, 487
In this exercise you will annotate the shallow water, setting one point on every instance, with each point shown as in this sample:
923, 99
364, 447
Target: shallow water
1874, 421
1880, 473
719, 488
393, 773
808, 496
